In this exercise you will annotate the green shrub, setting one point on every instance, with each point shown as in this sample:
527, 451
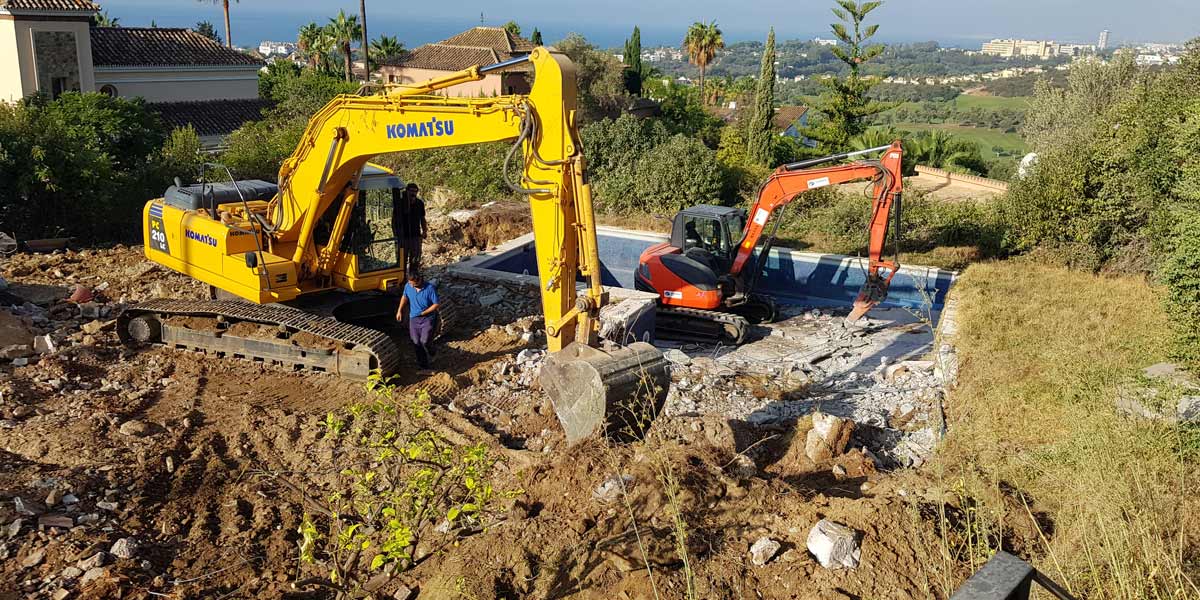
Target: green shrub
473, 174
1180, 272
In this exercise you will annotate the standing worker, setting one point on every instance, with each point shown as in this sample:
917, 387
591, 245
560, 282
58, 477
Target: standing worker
415, 228
421, 300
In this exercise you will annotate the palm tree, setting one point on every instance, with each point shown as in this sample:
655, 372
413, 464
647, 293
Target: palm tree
103, 20
307, 42
345, 29
323, 46
366, 47
387, 46
701, 43
224, 6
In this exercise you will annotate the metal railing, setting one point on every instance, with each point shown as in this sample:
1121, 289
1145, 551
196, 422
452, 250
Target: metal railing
1006, 577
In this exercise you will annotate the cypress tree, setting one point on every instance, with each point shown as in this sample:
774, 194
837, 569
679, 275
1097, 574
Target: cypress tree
760, 136
633, 63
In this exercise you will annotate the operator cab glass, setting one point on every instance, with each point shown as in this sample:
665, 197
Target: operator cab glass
372, 235
709, 232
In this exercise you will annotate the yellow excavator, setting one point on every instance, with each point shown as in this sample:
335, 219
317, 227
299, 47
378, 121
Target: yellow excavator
306, 266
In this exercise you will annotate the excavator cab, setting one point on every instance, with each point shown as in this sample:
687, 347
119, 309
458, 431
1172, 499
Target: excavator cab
709, 234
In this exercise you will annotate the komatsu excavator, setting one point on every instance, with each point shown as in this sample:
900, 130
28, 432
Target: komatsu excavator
706, 274
310, 261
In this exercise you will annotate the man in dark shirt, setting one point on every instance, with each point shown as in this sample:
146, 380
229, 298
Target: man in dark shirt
415, 228
420, 305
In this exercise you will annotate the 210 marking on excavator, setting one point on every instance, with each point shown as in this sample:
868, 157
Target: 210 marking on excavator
435, 127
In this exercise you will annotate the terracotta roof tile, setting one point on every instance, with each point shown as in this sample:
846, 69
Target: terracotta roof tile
50, 5
212, 117
786, 115
160, 46
496, 38
444, 58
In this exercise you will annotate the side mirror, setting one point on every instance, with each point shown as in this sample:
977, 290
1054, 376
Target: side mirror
178, 182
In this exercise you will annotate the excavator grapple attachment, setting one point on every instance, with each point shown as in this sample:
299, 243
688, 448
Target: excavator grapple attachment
615, 392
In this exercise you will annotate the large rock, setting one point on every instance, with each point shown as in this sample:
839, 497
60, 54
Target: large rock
834, 545
828, 437
125, 547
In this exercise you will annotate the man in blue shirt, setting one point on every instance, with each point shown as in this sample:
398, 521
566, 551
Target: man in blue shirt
421, 301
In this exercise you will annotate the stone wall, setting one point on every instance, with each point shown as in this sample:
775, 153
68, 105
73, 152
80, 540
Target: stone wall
974, 181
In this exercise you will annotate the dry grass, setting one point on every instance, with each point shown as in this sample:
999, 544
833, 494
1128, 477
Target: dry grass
1043, 352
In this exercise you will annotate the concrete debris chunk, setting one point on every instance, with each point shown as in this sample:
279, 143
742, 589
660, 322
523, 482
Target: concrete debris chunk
125, 547
630, 320
43, 344
492, 299
59, 521
763, 550
89, 310
834, 545
91, 574
14, 528
828, 437
20, 362
404, 593
96, 560
677, 356
70, 573
33, 559
109, 506
611, 488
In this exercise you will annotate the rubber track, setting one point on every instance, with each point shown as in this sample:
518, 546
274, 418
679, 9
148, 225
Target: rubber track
694, 314
386, 352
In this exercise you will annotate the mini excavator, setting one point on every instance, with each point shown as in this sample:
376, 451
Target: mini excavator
305, 266
705, 275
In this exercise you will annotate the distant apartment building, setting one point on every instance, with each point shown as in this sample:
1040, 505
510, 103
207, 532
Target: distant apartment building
49, 47
824, 42
1043, 49
1103, 42
268, 48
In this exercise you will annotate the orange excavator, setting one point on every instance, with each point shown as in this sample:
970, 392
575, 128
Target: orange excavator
705, 275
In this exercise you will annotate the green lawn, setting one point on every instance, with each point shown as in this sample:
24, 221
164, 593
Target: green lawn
965, 102
986, 138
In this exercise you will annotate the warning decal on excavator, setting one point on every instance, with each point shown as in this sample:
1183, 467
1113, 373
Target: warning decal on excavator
158, 231
819, 182
673, 294
760, 216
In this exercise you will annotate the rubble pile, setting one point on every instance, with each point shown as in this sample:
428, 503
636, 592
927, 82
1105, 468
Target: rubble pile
812, 360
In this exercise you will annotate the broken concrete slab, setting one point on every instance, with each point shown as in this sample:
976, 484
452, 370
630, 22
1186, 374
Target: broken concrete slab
629, 320
44, 344
834, 545
828, 437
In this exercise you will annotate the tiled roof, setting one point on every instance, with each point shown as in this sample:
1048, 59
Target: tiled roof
160, 46
496, 38
786, 115
50, 5
212, 117
477, 46
444, 58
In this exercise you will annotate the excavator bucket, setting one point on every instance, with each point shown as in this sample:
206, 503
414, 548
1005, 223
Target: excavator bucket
873, 292
617, 393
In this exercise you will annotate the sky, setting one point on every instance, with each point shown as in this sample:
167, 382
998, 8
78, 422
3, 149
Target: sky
963, 23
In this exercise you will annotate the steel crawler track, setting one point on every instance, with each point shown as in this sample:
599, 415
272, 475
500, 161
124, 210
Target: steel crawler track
359, 350
704, 326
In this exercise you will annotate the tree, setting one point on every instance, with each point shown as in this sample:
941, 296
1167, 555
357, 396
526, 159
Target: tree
362, 38
513, 28
536, 37
600, 75
344, 30
633, 62
206, 29
225, 8
307, 40
103, 20
702, 43
760, 135
387, 46
845, 106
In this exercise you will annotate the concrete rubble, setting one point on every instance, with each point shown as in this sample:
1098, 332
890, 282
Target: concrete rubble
872, 375
763, 550
834, 545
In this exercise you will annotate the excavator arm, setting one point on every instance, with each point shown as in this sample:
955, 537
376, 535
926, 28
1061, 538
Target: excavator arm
788, 182
350, 130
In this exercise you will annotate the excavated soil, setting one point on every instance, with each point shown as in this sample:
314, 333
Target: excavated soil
203, 462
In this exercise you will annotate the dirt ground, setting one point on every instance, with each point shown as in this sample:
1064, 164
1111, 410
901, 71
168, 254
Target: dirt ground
196, 461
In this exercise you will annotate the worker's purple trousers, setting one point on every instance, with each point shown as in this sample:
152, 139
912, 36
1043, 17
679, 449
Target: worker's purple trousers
420, 329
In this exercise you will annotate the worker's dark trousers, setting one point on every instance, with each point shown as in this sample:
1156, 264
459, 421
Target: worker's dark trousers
420, 329
412, 255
